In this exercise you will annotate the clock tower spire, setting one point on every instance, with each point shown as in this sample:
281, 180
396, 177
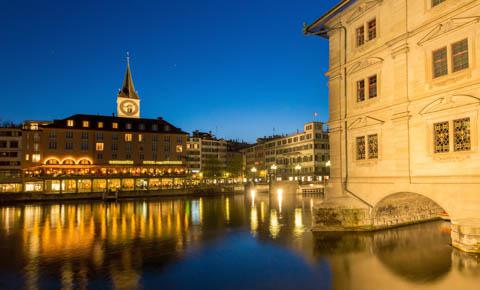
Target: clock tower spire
128, 102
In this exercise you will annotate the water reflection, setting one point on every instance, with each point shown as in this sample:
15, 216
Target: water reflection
142, 244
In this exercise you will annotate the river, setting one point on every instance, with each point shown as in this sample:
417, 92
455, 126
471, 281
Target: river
224, 242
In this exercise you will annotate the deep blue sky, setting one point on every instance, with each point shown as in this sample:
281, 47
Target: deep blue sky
238, 68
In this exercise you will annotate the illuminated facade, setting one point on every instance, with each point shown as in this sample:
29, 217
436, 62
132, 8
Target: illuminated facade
203, 148
404, 104
300, 156
85, 153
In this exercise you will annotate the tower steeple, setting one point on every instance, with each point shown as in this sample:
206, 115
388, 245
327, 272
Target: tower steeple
128, 89
128, 101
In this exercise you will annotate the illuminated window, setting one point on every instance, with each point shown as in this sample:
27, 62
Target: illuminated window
85, 124
360, 35
70, 123
462, 134
99, 146
360, 143
100, 125
441, 137
114, 125
128, 137
440, 66
140, 138
460, 55
35, 157
27, 157
372, 29
360, 90
373, 146
179, 148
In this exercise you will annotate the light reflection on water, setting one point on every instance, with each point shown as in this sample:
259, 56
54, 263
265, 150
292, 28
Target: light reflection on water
252, 241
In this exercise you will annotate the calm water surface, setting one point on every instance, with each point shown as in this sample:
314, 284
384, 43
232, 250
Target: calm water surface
229, 242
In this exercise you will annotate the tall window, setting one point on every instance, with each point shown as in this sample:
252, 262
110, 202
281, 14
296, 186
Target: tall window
360, 145
372, 29
84, 146
460, 55
100, 125
99, 146
360, 90
69, 135
441, 137
373, 146
440, 66
85, 124
360, 35
114, 125
70, 123
372, 86
128, 137
461, 133
436, 2
69, 145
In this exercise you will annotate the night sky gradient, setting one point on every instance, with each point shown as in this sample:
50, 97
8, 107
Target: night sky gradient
237, 68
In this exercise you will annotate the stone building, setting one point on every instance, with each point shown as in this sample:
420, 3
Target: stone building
404, 99
213, 157
300, 156
85, 153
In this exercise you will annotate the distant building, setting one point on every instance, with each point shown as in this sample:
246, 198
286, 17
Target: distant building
212, 157
204, 151
84, 153
10, 157
300, 156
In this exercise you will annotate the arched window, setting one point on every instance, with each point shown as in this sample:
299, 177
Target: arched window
52, 162
68, 162
84, 162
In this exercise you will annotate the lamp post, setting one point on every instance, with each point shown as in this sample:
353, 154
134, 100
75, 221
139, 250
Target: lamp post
298, 167
254, 171
274, 170
327, 164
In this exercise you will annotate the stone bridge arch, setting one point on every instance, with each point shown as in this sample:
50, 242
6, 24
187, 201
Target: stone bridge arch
403, 208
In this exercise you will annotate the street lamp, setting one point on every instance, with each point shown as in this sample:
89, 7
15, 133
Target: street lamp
297, 169
254, 171
274, 170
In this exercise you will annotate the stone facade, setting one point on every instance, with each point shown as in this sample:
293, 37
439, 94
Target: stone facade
404, 96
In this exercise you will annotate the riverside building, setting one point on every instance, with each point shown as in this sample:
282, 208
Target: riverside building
10, 158
301, 156
92, 153
404, 95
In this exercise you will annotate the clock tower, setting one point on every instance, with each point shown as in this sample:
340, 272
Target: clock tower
128, 102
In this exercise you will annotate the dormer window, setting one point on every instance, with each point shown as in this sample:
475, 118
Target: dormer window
70, 123
114, 125
128, 126
154, 127
141, 127
85, 124
100, 125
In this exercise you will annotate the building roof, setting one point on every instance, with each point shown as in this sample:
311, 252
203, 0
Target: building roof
128, 89
318, 26
136, 124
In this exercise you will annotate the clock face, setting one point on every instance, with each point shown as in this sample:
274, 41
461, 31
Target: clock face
128, 107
